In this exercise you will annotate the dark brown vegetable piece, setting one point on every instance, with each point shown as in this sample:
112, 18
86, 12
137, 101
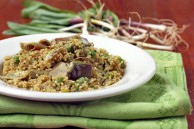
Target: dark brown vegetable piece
80, 70
82, 59
74, 71
44, 42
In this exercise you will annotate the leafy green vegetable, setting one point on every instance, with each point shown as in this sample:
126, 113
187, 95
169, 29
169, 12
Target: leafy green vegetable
49, 26
39, 13
97, 21
48, 19
9, 32
31, 6
33, 28
20, 29
59, 21
108, 14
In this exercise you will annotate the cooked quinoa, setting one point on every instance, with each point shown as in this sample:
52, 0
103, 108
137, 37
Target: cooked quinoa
67, 64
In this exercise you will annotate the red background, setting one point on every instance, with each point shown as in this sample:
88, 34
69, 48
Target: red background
181, 11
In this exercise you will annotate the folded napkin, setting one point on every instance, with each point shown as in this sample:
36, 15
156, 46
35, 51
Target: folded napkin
162, 103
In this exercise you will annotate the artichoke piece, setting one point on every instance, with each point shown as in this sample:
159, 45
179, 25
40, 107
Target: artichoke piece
35, 73
53, 54
60, 69
17, 75
23, 75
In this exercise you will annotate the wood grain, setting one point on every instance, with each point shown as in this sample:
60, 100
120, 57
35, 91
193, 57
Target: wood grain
181, 11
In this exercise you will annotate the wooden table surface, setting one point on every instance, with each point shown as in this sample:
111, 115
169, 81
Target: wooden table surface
181, 11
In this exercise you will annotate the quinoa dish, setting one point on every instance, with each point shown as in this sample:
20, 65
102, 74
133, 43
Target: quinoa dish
67, 64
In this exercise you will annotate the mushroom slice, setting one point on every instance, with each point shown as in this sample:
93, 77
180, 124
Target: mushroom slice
32, 46
44, 42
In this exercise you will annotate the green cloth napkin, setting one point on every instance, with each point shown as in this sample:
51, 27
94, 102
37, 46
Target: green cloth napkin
162, 103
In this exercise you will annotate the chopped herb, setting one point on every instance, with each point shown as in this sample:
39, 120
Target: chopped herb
110, 75
106, 55
122, 62
82, 80
16, 59
76, 85
92, 53
69, 48
59, 80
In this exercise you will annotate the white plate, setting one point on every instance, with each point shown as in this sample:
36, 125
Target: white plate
140, 69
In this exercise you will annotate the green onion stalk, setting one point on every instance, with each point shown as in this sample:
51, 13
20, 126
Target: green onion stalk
96, 21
